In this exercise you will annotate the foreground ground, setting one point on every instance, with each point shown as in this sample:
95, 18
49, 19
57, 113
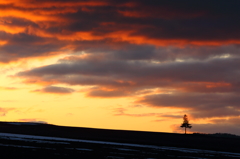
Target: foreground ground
28, 140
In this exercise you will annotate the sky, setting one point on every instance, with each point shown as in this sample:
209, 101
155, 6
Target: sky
129, 64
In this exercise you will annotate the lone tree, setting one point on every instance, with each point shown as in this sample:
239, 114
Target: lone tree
185, 123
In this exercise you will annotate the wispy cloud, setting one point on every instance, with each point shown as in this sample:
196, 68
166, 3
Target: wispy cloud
5, 111
55, 90
8, 88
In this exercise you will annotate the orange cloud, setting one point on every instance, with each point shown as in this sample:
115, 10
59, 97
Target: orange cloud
26, 15
50, 14
4, 111
3, 42
11, 29
50, 4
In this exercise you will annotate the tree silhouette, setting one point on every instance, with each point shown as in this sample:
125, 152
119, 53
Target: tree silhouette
185, 123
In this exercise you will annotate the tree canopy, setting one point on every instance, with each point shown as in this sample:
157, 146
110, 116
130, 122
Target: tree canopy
185, 123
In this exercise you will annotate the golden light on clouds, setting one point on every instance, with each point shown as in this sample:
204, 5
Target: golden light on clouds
136, 65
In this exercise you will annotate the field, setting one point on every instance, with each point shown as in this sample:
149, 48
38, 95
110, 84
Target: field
31, 140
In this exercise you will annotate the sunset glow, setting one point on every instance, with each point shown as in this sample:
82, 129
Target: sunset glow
132, 65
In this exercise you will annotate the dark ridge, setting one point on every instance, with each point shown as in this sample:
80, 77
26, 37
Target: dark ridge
198, 141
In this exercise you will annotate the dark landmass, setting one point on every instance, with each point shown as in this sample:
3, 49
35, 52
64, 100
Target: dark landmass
196, 141
39, 141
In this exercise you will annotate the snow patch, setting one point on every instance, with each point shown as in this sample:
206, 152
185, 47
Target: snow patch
57, 139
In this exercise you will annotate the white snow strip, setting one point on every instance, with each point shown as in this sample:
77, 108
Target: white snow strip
120, 144
81, 149
33, 140
122, 149
32, 147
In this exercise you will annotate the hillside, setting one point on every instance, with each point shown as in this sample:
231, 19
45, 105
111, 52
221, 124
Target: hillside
85, 139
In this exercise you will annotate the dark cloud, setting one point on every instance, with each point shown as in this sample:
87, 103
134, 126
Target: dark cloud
204, 88
198, 105
205, 76
191, 100
170, 116
39, 29
98, 92
55, 90
23, 45
217, 128
123, 51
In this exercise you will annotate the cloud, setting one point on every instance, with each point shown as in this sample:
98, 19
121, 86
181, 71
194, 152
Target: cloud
4, 111
22, 46
217, 128
210, 76
122, 112
8, 88
32, 30
32, 121
203, 88
107, 93
55, 90
198, 105
164, 116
